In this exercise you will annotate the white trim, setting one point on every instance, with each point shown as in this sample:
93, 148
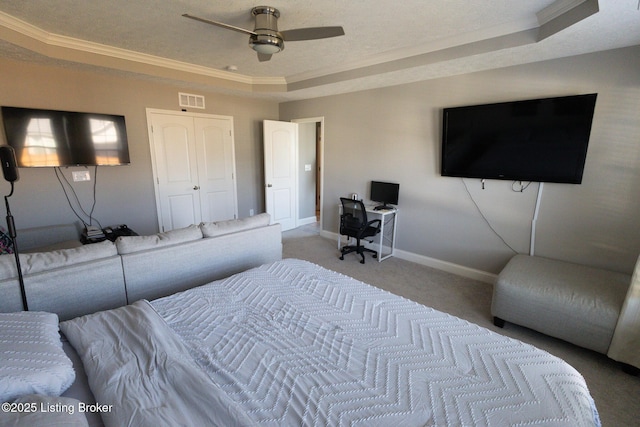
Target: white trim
447, 266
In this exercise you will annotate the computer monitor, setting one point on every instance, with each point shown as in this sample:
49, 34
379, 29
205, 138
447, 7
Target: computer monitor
385, 193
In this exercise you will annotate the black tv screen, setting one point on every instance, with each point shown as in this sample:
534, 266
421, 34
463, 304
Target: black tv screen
44, 138
543, 140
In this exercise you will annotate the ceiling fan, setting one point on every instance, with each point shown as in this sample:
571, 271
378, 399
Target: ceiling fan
265, 37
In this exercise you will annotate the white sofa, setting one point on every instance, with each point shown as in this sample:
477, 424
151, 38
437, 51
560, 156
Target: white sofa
590, 307
77, 281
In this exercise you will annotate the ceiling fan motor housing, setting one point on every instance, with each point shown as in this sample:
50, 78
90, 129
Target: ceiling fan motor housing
267, 39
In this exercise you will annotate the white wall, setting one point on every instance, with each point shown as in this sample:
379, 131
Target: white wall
393, 134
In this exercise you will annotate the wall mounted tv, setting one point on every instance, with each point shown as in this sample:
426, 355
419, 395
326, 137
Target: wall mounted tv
543, 140
64, 138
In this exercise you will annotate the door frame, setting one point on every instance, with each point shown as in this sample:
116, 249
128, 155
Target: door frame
320, 160
154, 168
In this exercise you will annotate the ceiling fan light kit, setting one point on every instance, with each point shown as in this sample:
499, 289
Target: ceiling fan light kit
267, 44
265, 39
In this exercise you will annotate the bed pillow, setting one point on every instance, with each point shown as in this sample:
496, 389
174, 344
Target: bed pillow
32, 360
43, 261
130, 244
219, 228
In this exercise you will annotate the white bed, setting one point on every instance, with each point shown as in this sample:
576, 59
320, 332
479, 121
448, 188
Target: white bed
291, 343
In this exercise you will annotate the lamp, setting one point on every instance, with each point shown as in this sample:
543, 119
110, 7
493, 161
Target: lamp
267, 43
10, 172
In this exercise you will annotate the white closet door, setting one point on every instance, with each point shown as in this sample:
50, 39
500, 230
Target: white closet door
194, 168
215, 154
173, 148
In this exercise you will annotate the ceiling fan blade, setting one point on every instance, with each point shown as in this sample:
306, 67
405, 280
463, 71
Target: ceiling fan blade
219, 24
311, 33
263, 57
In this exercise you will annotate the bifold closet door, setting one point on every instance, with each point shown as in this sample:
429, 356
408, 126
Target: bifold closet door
194, 168
216, 168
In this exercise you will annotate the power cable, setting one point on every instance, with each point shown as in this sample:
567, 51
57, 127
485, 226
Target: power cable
485, 218
59, 173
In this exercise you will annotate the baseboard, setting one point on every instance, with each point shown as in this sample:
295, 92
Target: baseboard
449, 267
307, 221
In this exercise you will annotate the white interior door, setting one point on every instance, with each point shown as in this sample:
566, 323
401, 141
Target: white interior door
280, 167
216, 166
176, 170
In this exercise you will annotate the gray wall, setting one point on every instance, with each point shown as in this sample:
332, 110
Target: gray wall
390, 134
393, 134
125, 194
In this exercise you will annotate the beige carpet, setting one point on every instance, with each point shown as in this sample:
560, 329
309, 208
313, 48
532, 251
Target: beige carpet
617, 395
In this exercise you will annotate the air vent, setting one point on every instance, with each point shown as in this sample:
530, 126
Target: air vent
191, 100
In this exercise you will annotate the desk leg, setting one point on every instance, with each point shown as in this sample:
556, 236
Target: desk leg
381, 239
392, 240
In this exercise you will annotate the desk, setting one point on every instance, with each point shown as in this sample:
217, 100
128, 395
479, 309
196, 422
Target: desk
386, 238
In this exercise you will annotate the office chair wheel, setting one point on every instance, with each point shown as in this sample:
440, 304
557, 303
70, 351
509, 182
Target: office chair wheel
341, 257
375, 255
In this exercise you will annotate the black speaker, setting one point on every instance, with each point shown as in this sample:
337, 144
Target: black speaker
9, 165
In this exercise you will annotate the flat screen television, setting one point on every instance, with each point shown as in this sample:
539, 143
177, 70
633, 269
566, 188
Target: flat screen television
44, 138
386, 193
543, 140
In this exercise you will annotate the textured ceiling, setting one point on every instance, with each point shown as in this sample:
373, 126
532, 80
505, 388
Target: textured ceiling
384, 44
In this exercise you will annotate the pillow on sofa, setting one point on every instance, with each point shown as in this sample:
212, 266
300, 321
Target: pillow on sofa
32, 359
130, 244
213, 229
40, 261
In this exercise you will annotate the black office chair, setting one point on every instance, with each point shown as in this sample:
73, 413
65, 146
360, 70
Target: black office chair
353, 223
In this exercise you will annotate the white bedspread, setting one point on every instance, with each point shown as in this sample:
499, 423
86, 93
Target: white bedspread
291, 344
141, 374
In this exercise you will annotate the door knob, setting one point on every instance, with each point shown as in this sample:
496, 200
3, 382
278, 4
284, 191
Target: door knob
269, 185
196, 187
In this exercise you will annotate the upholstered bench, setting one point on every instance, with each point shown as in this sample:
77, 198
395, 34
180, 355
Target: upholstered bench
575, 303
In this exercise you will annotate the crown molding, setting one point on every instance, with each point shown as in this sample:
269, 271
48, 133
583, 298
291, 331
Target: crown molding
563, 14
555, 18
25, 35
556, 9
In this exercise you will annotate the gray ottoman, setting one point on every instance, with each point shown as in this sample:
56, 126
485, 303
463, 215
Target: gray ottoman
572, 302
